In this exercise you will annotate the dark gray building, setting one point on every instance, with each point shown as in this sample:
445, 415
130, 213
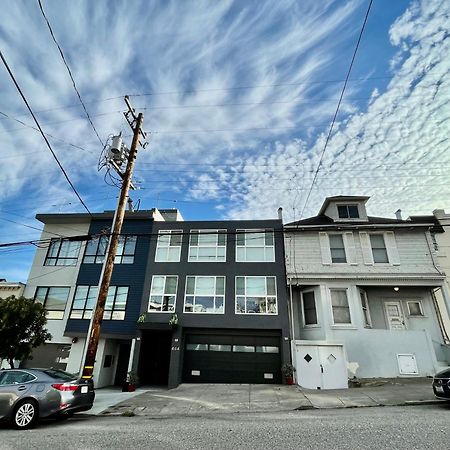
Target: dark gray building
201, 301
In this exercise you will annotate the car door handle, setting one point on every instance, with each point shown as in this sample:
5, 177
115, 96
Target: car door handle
21, 388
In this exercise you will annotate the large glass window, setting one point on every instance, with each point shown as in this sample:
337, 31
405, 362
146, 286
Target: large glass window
379, 251
340, 306
163, 293
86, 297
348, 211
96, 250
337, 248
207, 245
62, 253
168, 246
205, 295
255, 246
53, 299
256, 295
309, 308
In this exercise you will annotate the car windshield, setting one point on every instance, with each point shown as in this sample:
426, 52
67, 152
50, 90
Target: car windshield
443, 374
59, 374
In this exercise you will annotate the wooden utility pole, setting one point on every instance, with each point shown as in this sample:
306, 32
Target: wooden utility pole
96, 321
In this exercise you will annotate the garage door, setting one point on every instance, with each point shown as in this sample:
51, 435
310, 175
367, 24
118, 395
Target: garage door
231, 359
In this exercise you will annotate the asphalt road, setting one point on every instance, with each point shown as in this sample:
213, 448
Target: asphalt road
412, 427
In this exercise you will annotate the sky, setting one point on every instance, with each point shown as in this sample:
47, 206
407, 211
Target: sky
238, 98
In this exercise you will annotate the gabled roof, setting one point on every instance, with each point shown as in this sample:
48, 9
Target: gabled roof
342, 198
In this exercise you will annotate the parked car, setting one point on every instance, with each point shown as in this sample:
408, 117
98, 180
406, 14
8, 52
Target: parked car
27, 395
441, 384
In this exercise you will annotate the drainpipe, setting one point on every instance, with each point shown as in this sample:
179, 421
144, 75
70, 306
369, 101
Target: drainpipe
292, 343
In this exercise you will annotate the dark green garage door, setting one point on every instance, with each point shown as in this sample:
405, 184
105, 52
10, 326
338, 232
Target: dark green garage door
231, 359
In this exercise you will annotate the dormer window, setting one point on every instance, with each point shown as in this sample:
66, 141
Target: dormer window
348, 211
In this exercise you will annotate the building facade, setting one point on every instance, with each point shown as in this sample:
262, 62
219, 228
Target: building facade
188, 301
362, 296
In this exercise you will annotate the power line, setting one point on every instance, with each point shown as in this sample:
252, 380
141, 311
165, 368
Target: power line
70, 72
47, 134
338, 105
41, 131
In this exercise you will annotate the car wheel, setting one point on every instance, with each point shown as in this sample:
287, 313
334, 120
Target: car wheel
25, 414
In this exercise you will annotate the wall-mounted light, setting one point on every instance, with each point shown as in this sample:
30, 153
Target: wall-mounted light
396, 289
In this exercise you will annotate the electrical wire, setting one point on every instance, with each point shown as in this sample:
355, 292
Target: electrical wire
338, 105
69, 71
41, 131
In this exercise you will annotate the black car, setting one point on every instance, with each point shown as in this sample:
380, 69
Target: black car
441, 385
29, 394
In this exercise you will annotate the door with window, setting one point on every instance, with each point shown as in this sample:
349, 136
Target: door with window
394, 315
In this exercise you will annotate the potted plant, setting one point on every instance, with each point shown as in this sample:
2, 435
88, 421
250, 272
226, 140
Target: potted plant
130, 383
173, 322
288, 372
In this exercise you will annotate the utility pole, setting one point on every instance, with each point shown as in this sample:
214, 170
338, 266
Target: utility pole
93, 335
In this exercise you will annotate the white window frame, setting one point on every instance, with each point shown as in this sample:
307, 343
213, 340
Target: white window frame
213, 295
162, 295
368, 322
246, 245
385, 248
310, 325
341, 325
343, 246
159, 246
216, 246
245, 295
422, 314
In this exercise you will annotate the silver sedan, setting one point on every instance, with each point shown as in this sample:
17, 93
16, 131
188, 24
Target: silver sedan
29, 394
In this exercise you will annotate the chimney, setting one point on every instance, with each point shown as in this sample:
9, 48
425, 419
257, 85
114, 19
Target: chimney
280, 213
398, 214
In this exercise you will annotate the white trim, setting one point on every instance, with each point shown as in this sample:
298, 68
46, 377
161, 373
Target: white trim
216, 246
341, 325
245, 246
366, 301
245, 295
150, 295
420, 307
312, 325
214, 295
325, 251
168, 232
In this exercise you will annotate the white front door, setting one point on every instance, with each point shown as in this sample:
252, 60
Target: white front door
394, 315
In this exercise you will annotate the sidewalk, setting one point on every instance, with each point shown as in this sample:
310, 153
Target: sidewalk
200, 399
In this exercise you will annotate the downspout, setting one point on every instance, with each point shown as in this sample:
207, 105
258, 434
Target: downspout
291, 322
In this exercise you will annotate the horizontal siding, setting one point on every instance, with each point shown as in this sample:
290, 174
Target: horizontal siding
303, 256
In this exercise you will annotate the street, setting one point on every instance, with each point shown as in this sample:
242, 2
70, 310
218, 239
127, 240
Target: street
413, 427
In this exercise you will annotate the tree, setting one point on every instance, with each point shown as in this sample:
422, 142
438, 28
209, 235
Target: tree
22, 322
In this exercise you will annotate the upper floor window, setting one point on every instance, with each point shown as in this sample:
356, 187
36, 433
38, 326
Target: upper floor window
379, 251
205, 294
96, 250
207, 245
340, 307
348, 211
415, 308
53, 299
86, 297
255, 246
163, 293
309, 308
62, 253
168, 246
337, 248
256, 295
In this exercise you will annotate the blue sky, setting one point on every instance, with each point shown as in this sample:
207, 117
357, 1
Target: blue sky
238, 98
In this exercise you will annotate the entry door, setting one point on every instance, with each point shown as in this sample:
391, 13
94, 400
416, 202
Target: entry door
394, 315
333, 367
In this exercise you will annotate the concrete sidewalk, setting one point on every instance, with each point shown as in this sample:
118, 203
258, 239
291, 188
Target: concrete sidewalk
200, 399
